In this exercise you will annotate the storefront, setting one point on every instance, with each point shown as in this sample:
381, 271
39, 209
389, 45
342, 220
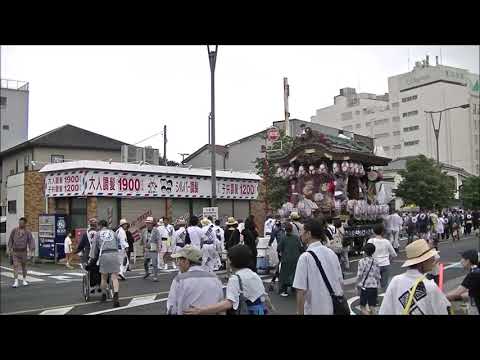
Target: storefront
111, 191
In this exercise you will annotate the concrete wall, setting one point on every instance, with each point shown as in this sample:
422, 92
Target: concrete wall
242, 155
203, 160
15, 192
15, 115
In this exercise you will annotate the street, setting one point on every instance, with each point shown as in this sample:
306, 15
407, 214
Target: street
54, 290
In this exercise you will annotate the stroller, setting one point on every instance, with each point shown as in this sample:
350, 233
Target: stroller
91, 282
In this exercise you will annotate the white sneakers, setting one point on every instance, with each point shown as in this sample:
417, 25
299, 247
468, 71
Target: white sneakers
15, 283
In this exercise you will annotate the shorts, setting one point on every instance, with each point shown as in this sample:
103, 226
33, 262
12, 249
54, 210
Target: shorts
19, 258
369, 296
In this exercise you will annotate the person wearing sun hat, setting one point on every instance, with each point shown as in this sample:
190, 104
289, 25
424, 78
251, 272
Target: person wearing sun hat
296, 224
411, 293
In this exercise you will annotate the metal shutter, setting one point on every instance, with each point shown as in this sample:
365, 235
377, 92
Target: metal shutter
180, 208
241, 209
107, 209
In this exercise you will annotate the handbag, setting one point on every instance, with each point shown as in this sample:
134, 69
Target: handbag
340, 306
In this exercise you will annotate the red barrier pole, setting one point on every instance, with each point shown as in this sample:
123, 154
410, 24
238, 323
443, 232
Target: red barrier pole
440, 276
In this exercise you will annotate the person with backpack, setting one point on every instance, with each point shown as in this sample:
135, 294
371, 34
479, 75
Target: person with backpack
245, 293
411, 293
368, 276
334, 241
104, 253
290, 248
20, 243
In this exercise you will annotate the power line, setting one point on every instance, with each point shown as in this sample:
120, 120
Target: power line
152, 136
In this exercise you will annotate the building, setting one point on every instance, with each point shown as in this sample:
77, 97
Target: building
392, 178
240, 155
21, 183
398, 122
13, 113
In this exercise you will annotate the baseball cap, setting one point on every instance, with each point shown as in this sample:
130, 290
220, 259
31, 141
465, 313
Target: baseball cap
471, 255
190, 253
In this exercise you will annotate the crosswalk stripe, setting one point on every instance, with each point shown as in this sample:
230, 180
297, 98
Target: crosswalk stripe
36, 273
141, 300
61, 277
29, 278
74, 274
59, 311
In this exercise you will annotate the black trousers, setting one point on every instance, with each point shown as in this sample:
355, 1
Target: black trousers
468, 229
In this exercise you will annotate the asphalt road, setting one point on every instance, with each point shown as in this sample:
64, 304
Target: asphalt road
56, 290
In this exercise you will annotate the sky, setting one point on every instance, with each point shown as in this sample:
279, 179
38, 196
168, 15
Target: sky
130, 92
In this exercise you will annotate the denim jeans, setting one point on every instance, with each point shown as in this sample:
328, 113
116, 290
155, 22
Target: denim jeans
385, 274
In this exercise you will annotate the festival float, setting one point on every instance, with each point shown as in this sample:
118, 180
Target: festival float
334, 177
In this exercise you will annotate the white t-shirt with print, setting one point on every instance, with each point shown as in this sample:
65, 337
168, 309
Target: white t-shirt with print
383, 251
428, 298
308, 277
252, 284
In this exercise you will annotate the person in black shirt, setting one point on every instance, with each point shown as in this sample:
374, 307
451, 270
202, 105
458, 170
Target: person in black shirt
250, 236
470, 284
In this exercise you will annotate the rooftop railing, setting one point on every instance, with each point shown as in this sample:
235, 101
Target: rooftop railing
14, 84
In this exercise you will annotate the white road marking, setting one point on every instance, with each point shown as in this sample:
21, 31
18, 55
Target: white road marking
75, 274
61, 277
142, 300
350, 281
29, 278
59, 311
29, 272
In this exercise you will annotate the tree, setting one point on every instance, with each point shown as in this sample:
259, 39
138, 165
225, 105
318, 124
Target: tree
470, 193
172, 163
425, 185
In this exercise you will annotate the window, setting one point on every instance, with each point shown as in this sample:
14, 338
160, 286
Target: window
12, 207
398, 146
3, 102
411, 128
411, 143
56, 159
5, 127
358, 126
368, 123
396, 133
395, 104
410, 98
347, 116
381, 121
386, 148
410, 113
396, 118
382, 135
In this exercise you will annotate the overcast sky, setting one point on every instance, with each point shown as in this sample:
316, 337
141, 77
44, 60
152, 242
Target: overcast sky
130, 92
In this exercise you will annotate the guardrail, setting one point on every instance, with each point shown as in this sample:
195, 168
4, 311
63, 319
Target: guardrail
14, 84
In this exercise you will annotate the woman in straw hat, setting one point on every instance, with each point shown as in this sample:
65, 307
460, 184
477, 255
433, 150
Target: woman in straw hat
232, 237
411, 293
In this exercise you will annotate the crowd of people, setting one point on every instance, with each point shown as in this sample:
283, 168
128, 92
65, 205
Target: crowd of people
312, 254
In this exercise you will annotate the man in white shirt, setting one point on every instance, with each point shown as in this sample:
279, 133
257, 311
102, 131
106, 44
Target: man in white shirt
411, 293
267, 229
122, 239
193, 287
195, 235
393, 225
163, 250
383, 251
313, 297
210, 257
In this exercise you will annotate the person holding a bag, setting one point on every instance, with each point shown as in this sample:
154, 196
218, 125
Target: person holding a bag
368, 276
290, 249
245, 293
20, 243
411, 293
318, 277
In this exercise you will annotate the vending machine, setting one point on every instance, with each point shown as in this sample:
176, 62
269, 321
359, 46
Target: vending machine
52, 230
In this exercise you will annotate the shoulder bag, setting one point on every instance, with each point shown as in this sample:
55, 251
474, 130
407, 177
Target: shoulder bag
242, 300
362, 287
340, 306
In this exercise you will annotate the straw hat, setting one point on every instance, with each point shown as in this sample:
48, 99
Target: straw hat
294, 215
231, 221
149, 219
205, 222
418, 252
123, 222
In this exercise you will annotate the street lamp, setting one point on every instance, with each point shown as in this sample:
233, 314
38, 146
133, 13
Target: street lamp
437, 130
212, 57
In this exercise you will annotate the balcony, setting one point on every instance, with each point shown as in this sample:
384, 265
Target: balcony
14, 84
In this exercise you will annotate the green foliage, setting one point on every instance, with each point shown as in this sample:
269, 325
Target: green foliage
276, 192
425, 185
470, 194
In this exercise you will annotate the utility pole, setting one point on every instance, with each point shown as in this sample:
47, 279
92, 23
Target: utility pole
165, 145
286, 94
212, 57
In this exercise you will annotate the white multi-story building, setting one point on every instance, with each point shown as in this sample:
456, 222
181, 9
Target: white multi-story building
13, 113
399, 124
